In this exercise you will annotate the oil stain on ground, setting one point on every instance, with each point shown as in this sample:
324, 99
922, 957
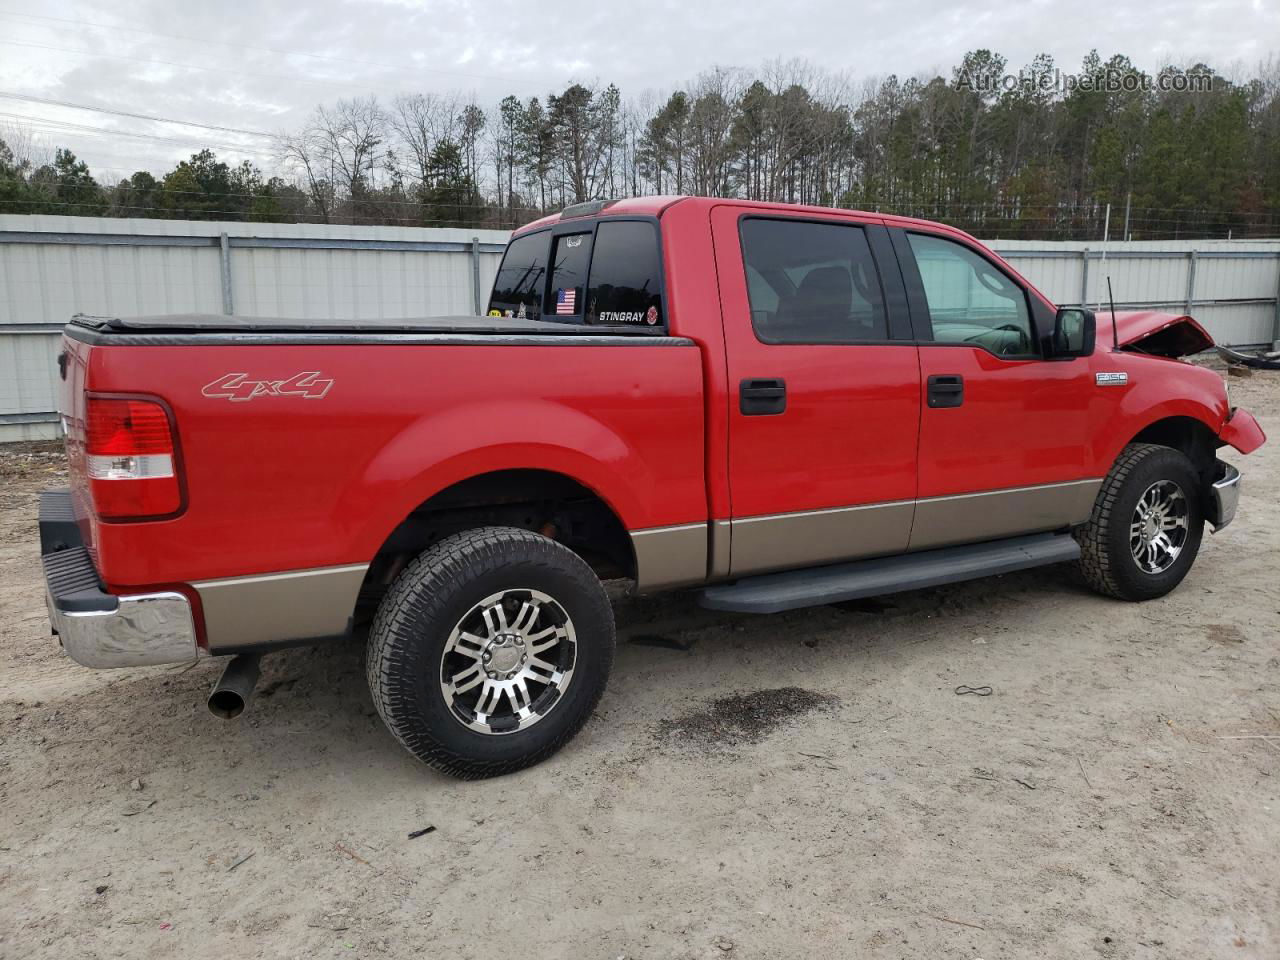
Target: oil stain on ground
743, 717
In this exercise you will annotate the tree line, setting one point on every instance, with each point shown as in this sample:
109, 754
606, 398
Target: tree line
1031, 153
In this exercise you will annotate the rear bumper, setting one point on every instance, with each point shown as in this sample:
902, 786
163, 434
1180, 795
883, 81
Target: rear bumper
96, 628
1224, 496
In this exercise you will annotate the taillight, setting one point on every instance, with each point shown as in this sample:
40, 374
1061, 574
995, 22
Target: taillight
130, 458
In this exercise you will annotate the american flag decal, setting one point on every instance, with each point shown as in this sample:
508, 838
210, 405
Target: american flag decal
566, 301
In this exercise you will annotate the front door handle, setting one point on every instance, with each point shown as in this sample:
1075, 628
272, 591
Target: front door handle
762, 397
945, 390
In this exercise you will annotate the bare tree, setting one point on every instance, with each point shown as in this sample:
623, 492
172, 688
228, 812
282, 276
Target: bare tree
339, 151
422, 121
301, 156
715, 105
27, 148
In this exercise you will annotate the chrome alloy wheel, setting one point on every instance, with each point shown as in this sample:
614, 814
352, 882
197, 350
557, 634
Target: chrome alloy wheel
1158, 530
508, 661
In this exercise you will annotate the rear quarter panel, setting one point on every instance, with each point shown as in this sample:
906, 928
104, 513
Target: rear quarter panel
289, 482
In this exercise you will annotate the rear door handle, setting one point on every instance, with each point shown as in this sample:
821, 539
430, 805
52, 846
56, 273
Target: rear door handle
945, 390
762, 397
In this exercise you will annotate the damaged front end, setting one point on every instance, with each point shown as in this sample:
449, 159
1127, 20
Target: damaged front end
1159, 334
1172, 336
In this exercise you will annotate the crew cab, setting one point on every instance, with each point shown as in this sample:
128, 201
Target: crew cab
773, 405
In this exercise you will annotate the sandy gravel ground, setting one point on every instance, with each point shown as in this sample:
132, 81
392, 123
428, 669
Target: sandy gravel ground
801, 785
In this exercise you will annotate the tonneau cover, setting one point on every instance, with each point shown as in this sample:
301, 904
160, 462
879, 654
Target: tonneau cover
195, 323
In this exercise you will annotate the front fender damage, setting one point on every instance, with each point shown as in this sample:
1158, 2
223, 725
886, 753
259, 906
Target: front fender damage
1242, 431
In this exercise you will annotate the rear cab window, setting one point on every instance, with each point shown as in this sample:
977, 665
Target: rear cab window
626, 279
602, 273
518, 287
571, 258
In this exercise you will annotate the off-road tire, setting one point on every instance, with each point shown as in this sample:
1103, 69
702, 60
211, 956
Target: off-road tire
1106, 558
422, 607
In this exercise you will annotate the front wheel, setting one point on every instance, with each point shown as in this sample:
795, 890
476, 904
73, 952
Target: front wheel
490, 651
1147, 522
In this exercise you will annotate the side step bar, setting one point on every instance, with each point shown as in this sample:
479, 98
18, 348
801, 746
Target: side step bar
775, 592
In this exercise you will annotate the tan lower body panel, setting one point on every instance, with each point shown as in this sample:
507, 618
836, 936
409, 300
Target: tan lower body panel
695, 552
670, 556
721, 549
277, 607
991, 514
813, 537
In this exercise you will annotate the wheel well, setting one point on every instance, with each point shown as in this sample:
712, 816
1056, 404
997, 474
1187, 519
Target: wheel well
552, 504
1188, 435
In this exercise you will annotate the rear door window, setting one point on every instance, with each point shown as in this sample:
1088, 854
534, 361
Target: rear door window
626, 280
812, 282
571, 256
517, 290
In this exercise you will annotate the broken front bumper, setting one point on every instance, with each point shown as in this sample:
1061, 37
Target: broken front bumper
1224, 496
96, 628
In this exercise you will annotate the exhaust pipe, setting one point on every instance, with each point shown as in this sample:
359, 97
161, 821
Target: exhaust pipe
231, 693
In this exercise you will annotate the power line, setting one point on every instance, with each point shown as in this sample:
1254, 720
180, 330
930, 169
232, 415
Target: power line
29, 98
244, 46
183, 66
47, 125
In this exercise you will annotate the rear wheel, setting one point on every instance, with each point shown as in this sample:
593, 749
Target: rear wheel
1147, 522
490, 651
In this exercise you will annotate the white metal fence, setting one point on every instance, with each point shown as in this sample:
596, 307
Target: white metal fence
52, 267
1230, 286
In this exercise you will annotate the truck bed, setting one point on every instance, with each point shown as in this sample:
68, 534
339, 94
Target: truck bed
284, 481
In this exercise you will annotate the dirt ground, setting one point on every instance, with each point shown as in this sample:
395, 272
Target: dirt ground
807, 784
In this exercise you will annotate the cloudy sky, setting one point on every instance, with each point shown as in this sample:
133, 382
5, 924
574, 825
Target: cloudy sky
263, 66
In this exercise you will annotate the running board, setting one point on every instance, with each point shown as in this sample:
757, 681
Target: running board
775, 592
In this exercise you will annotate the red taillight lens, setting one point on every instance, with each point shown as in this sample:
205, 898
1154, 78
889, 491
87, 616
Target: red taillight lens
127, 427
130, 458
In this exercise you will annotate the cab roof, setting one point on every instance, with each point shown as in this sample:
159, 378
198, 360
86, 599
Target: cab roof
655, 206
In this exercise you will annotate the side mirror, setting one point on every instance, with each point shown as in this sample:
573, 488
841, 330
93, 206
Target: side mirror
1074, 329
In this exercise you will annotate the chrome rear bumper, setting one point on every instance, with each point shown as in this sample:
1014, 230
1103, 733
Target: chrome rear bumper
1224, 496
142, 630
96, 628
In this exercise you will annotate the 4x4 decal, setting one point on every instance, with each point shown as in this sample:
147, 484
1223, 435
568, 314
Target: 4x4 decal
237, 387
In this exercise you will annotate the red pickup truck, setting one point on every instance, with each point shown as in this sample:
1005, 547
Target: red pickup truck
778, 406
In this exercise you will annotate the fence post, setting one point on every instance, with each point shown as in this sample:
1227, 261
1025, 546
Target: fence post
224, 256
1084, 277
1275, 329
1191, 280
475, 277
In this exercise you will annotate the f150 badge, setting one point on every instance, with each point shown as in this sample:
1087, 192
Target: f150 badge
238, 388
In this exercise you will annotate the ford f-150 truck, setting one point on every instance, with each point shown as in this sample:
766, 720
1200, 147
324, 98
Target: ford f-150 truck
777, 406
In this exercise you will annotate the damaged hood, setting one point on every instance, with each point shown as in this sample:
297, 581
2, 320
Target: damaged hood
1149, 331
